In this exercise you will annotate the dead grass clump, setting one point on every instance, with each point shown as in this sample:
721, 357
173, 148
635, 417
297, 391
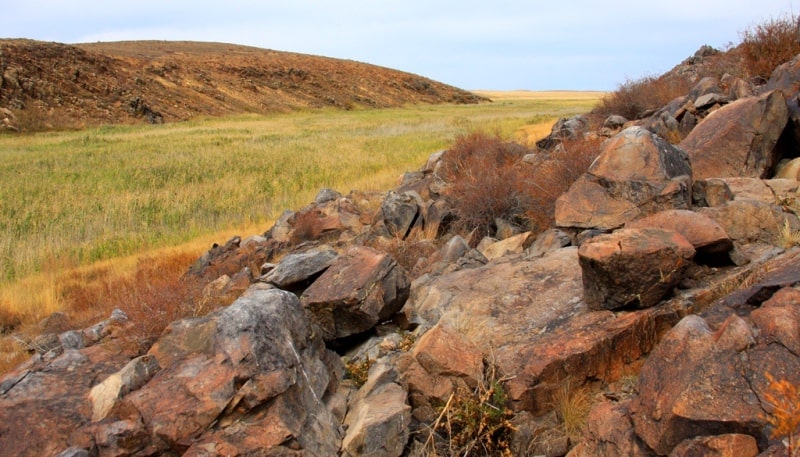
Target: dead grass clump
635, 97
783, 400
769, 44
563, 166
572, 405
486, 179
152, 296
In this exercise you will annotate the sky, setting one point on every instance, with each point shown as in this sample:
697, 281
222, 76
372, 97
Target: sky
498, 45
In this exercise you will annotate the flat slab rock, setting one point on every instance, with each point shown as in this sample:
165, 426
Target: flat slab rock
530, 318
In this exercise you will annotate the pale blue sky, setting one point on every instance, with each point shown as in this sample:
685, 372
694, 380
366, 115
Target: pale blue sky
505, 45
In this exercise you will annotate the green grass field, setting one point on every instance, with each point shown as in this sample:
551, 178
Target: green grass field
73, 198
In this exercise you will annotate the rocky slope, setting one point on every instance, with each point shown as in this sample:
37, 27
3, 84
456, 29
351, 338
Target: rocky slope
46, 85
666, 298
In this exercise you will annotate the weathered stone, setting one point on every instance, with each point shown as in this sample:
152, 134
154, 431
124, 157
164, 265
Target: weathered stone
359, 289
400, 211
715, 389
443, 352
749, 189
547, 241
637, 174
728, 445
378, 418
42, 406
633, 267
610, 433
513, 245
135, 374
748, 221
326, 195
706, 85
789, 170
738, 139
706, 236
711, 192
615, 121
454, 249
296, 269
779, 319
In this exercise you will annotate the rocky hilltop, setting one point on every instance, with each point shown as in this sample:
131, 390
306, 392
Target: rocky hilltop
662, 307
53, 85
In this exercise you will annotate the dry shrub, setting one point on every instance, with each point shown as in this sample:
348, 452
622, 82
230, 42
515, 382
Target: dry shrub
769, 44
572, 405
635, 97
413, 253
9, 319
486, 180
783, 399
555, 174
153, 296
473, 423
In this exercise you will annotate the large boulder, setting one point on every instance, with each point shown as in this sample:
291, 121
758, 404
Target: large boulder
717, 388
257, 359
633, 267
707, 237
358, 290
739, 139
638, 173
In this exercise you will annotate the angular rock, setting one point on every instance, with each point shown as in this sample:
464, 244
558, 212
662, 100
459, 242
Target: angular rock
399, 212
326, 195
749, 189
789, 170
748, 221
296, 269
513, 245
443, 352
706, 236
715, 389
547, 241
378, 417
738, 139
610, 433
42, 405
637, 174
633, 267
779, 319
257, 358
135, 374
728, 445
360, 289
711, 192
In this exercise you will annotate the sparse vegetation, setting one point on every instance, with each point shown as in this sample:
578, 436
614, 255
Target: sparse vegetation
572, 405
634, 97
783, 398
473, 423
487, 179
769, 44
358, 370
788, 237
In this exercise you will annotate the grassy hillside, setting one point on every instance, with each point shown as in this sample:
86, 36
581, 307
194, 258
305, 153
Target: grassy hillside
74, 198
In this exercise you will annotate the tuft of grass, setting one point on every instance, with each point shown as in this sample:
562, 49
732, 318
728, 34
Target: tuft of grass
769, 44
787, 237
572, 405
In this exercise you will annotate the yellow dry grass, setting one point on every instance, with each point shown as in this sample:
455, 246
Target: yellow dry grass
100, 199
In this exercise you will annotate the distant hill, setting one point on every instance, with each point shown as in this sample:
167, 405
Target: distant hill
53, 85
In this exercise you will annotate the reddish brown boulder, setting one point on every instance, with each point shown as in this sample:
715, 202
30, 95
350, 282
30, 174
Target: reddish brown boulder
707, 236
715, 388
633, 267
748, 221
728, 445
609, 433
358, 290
738, 139
638, 173
779, 319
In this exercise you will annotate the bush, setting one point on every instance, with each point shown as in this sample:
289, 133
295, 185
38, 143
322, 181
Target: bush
486, 180
635, 97
555, 174
769, 44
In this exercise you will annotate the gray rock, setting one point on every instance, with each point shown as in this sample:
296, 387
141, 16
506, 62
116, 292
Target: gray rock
295, 269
